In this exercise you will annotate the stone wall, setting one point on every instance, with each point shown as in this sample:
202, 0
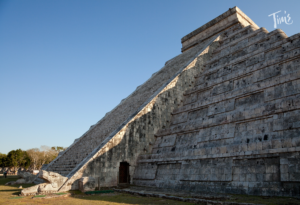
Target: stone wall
238, 130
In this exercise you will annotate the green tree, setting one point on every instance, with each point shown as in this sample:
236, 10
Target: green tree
2, 160
17, 159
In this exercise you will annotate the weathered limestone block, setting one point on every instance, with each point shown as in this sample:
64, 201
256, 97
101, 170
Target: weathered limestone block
87, 184
48, 188
28, 177
38, 180
39, 189
30, 190
22, 181
55, 181
145, 171
53, 178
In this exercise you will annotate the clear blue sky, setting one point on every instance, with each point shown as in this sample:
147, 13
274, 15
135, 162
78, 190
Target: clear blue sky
65, 63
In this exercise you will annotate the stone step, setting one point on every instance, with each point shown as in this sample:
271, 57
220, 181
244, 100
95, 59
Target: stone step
62, 165
250, 33
63, 173
234, 93
62, 169
235, 26
262, 43
67, 166
69, 161
239, 49
269, 42
268, 60
237, 34
62, 162
257, 109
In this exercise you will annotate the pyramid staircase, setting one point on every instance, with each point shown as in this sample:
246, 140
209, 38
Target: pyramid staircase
84, 146
70, 159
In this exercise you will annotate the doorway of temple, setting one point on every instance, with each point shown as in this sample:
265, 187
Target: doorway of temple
124, 173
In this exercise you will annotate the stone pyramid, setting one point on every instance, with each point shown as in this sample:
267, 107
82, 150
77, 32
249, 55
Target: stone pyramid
223, 116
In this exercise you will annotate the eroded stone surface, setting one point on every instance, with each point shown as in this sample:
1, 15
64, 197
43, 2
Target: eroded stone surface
87, 184
30, 190
54, 182
27, 176
52, 177
241, 131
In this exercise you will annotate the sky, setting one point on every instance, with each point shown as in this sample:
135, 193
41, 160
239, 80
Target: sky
65, 63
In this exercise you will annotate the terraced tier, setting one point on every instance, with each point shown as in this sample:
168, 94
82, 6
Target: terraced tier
238, 130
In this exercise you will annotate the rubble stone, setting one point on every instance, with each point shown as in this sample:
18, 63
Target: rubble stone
27, 177
30, 190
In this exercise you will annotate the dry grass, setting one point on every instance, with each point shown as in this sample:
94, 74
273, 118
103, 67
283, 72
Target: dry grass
265, 200
9, 195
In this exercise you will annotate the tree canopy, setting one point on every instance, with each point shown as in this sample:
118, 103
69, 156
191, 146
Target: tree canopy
2, 160
18, 158
33, 158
